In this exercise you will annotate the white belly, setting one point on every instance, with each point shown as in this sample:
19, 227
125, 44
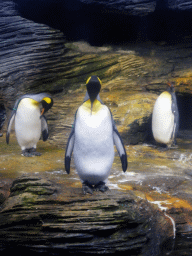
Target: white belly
28, 126
162, 121
93, 147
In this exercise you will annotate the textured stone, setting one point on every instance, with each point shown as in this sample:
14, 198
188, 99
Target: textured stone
35, 58
131, 7
68, 221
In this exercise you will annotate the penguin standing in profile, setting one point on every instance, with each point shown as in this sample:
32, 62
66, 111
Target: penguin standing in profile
165, 117
30, 122
92, 141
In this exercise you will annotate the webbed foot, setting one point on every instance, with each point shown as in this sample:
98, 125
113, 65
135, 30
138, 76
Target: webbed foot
34, 152
101, 187
87, 188
26, 153
29, 152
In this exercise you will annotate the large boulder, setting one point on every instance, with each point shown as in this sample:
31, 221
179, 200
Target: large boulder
43, 217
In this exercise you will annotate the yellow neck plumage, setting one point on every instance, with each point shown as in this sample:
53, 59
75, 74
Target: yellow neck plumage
96, 106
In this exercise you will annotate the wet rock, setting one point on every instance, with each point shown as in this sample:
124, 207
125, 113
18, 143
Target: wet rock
4, 190
188, 172
165, 184
68, 221
34, 185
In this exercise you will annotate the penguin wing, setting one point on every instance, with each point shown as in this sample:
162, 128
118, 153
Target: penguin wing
69, 148
44, 128
120, 146
175, 112
11, 120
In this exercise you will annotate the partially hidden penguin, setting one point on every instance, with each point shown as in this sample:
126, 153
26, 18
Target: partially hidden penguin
165, 118
30, 122
92, 140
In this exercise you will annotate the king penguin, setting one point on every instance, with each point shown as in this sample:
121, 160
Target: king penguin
92, 140
30, 121
165, 117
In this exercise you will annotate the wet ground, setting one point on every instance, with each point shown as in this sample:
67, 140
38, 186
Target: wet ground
152, 170
163, 177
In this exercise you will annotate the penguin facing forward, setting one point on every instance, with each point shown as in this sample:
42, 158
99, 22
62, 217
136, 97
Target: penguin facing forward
165, 117
30, 122
92, 140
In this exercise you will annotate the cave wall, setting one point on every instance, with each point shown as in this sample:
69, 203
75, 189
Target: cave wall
113, 22
36, 58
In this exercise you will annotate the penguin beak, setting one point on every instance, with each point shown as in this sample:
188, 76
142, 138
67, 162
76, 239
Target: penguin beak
43, 110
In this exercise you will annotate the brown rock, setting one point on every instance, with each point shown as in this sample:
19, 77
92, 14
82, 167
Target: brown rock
68, 221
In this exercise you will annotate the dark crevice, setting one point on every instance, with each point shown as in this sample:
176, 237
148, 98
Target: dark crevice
100, 26
184, 101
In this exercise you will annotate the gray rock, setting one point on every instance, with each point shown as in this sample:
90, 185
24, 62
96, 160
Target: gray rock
131, 7
68, 221
181, 5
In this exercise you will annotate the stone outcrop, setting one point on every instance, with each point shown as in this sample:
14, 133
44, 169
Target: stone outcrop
28, 53
44, 217
141, 7
52, 217
130, 7
179, 5
36, 58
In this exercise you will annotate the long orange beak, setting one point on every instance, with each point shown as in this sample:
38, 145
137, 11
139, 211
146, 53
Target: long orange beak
43, 110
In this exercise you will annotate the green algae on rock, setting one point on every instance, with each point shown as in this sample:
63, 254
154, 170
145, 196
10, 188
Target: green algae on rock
67, 221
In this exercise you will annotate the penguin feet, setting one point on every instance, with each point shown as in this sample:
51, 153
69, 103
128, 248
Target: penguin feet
101, 187
34, 152
87, 188
26, 153
29, 152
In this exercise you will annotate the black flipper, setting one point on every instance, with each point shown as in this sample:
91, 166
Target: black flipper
44, 128
175, 112
69, 148
120, 146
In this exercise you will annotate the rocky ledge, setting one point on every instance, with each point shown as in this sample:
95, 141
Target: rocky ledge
44, 217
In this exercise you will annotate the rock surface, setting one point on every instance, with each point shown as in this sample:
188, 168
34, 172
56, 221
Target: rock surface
131, 7
41, 216
160, 178
35, 58
142, 7
28, 53
181, 5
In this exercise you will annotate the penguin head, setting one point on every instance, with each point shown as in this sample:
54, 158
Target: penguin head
171, 88
47, 103
93, 85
